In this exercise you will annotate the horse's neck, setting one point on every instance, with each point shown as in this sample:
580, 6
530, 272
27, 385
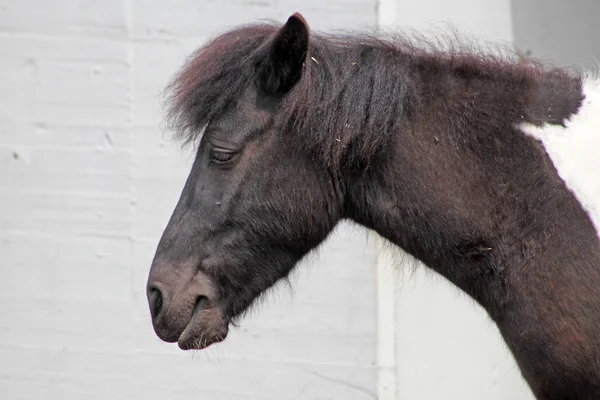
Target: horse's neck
503, 226
575, 150
565, 300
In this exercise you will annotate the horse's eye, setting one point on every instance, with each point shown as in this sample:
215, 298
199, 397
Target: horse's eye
219, 156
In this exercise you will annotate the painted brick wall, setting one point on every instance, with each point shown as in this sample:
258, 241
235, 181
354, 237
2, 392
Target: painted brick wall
87, 183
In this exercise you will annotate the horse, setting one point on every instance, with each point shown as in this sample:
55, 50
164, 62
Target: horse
480, 164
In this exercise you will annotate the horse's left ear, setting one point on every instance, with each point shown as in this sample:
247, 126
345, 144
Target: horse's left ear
287, 54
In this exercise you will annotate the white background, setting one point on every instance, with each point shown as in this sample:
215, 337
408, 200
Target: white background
87, 183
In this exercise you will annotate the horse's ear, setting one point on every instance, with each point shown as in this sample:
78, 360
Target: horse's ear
287, 54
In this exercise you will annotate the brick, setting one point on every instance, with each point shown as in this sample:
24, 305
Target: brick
67, 18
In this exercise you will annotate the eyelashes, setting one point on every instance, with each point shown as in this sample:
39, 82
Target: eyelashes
221, 156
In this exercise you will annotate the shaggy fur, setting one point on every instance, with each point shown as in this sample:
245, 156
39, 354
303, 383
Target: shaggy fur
356, 89
297, 131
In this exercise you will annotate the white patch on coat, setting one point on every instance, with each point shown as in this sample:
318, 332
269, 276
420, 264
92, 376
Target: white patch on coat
575, 150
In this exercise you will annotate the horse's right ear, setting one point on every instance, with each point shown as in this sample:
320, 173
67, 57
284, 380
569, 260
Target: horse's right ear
287, 53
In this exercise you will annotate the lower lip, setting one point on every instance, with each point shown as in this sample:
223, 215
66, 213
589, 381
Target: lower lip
198, 334
188, 341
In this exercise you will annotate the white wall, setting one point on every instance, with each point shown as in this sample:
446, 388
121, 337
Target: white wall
559, 31
86, 186
444, 345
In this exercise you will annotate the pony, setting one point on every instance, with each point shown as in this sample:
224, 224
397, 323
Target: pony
483, 166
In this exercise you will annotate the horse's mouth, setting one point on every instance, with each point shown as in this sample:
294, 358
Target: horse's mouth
207, 326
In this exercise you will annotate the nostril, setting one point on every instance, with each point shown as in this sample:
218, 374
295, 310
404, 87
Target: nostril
155, 298
202, 302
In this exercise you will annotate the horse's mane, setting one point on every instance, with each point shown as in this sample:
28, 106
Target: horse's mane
354, 90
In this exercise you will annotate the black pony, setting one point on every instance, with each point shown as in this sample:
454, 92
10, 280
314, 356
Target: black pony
447, 154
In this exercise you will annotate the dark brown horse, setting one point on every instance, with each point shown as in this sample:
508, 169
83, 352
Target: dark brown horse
479, 165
